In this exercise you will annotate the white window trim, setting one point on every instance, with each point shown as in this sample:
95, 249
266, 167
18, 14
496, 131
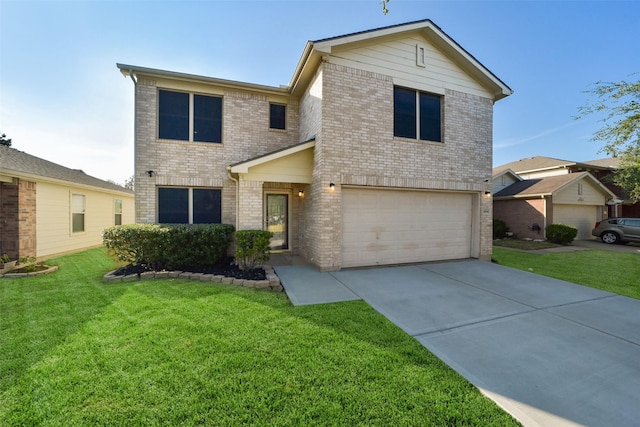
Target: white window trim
73, 212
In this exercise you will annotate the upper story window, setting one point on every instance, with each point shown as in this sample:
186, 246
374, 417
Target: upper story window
189, 117
277, 116
417, 115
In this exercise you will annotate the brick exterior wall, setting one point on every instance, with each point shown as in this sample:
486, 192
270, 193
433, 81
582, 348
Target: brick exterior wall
349, 112
246, 134
357, 147
521, 215
18, 219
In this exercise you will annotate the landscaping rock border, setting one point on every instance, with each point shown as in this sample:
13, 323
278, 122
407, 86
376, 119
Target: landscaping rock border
10, 275
271, 283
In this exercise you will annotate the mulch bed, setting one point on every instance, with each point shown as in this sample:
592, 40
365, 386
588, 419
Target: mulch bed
228, 269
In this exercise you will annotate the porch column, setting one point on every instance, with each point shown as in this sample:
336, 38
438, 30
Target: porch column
250, 205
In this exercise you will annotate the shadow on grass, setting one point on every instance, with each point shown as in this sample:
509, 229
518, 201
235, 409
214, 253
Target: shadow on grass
38, 313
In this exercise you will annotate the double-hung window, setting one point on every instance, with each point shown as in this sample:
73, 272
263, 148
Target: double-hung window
189, 117
417, 115
77, 213
118, 212
179, 205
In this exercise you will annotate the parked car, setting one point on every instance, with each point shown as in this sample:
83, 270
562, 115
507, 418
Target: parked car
618, 230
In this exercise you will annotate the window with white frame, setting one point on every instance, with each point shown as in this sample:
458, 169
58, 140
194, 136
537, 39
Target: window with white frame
187, 116
77, 213
417, 115
185, 205
118, 212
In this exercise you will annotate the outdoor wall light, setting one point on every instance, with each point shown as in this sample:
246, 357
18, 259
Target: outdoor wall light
301, 193
151, 173
332, 186
487, 194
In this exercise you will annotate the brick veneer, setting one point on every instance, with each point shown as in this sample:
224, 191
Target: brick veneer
356, 146
349, 112
18, 219
521, 215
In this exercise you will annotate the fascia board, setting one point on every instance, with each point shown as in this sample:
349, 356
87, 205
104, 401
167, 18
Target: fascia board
126, 70
40, 178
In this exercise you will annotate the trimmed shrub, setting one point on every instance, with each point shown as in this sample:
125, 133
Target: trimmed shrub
561, 234
252, 248
157, 246
137, 244
500, 229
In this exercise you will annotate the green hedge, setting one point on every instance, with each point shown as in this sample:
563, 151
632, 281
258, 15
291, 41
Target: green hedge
158, 246
500, 229
252, 248
561, 234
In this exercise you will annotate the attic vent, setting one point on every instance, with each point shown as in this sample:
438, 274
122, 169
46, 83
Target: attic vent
421, 55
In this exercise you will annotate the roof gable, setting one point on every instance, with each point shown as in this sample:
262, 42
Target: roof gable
425, 30
549, 186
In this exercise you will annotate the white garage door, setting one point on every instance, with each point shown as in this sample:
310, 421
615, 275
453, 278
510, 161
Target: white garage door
393, 226
579, 216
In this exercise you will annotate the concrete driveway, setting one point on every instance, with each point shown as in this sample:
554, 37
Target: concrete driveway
551, 353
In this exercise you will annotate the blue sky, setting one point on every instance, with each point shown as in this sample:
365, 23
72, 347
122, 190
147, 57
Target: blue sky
63, 99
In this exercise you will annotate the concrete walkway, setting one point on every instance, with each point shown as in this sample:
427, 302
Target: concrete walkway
550, 352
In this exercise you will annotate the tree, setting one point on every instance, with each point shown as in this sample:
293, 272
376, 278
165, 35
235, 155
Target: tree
4, 140
130, 183
618, 105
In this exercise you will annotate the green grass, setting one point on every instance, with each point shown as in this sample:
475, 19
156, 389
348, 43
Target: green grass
607, 270
75, 351
527, 245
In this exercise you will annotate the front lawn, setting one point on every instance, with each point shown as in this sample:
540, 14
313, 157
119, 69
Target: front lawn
607, 270
75, 351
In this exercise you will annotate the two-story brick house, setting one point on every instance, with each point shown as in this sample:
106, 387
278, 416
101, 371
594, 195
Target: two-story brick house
378, 151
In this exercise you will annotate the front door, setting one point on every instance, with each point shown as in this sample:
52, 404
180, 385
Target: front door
277, 220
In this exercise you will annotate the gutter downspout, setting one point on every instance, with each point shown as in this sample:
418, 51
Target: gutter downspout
237, 195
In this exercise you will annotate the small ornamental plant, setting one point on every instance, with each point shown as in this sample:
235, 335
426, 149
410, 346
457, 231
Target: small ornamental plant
561, 234
252, 248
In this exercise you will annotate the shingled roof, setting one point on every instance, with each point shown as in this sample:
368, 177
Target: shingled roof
545, 186
540, 163
16, 163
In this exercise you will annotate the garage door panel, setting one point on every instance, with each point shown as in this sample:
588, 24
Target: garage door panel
579, 216
392, 226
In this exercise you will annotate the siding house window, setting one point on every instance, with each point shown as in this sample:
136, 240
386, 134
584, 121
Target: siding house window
277, 116
417, 115
189, 117
178, 205
77, 213
118, 212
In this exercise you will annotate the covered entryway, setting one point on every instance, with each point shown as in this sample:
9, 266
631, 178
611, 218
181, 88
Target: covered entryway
383, 226
583, 217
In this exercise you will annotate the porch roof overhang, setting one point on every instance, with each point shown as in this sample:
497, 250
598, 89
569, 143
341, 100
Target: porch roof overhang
290, 164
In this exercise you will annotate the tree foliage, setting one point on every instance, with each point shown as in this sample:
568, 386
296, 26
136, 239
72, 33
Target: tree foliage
4, 140
130, 183
618, 105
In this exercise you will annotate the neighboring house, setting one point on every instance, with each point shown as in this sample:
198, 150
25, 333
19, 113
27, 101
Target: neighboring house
527, 206
377, 152
47, 209
601, 169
